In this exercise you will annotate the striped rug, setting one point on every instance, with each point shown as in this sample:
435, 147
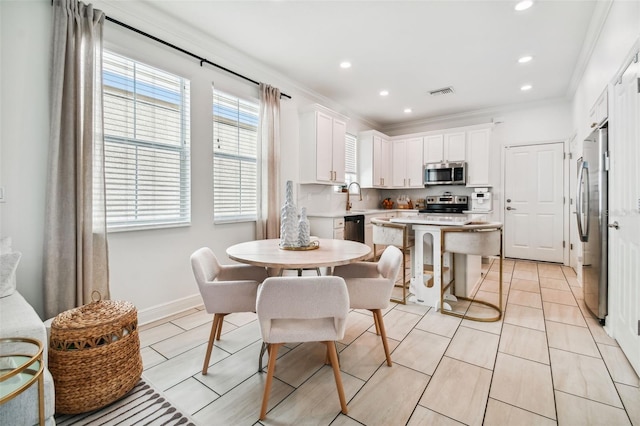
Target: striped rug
143, 406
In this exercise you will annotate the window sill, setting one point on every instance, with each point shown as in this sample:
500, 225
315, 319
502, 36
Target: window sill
233, 220
147, 227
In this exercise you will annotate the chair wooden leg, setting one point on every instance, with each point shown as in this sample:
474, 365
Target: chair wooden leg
214, 328
383, 335
219, 332
273, 354
333, 356
263, 348
375, 322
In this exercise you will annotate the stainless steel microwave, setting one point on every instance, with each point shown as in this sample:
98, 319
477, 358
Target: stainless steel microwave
445, 173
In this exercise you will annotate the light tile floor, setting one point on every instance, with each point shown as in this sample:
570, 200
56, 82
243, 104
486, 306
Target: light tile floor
548, 362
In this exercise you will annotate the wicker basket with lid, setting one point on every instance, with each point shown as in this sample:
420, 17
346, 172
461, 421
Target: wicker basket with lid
94, 355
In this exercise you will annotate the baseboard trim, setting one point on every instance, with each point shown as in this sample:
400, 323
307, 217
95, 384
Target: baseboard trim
165, 310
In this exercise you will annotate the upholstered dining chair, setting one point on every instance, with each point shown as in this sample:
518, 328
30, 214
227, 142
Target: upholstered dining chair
479, 240
370, 285
386, 233
302, 309
224, 289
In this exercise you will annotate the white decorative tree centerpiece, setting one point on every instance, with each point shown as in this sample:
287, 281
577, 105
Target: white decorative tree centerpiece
289, 219
304, 229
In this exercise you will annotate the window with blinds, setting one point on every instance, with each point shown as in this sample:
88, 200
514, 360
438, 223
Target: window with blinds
351, 159
146, 132
235, 152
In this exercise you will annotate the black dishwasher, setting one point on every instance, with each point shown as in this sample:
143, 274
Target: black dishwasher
354, 228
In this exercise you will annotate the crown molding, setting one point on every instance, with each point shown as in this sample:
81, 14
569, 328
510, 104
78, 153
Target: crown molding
594, 30
484, 113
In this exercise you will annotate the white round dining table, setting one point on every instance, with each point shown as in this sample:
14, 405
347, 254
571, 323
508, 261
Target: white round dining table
268, 253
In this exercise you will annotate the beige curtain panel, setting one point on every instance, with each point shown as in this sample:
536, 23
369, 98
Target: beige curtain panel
75, 252
268, 221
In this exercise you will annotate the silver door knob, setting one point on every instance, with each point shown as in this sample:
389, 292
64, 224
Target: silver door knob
614, 225
508, 200
510, 208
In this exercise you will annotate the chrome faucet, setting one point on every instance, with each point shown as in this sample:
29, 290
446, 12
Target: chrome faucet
359, 193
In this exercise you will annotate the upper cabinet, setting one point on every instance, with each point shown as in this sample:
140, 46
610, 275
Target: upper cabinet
374, 160
322, 139
600, 110
398, 161
406, 155
478, 151
444, 147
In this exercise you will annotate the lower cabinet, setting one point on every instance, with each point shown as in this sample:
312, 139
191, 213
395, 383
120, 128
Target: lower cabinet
327, 227
368, 232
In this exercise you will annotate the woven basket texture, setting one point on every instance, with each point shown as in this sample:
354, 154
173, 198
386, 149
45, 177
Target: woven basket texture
94, 355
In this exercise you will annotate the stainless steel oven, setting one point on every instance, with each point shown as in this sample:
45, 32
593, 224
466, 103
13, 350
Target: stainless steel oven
446, 203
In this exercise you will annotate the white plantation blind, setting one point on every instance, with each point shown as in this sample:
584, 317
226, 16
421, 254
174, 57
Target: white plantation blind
351, 159
146, 128
235, 150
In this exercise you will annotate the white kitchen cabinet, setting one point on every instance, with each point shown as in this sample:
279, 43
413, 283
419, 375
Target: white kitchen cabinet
327, 227
433, 148
398, 159
406, 170
444, 147
600, 110
454, 146
478, 151
322, 139
368, 232
414, 163
374, 165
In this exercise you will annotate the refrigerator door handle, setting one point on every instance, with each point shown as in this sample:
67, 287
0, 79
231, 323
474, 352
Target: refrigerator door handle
583, 182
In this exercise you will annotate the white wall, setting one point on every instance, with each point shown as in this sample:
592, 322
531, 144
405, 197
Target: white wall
149, 268
619, 33
24, 131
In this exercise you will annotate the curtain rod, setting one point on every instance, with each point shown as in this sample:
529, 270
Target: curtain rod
186, 52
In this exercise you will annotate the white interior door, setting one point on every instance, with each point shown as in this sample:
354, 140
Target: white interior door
533, 200
624, 210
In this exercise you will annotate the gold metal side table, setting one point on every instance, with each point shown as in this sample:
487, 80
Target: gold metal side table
20, 366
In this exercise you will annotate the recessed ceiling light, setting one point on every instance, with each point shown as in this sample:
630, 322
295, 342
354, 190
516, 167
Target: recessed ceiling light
384, 92
407, 110
345, 64
526, 87
525, 59
523, 5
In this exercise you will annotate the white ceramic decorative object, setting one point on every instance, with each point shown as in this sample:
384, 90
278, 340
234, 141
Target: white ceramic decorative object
289, 219
304, 229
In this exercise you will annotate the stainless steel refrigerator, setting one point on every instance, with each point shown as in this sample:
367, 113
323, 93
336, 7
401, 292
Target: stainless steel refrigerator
592, 216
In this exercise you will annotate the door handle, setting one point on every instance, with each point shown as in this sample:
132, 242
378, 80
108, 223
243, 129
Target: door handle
614, 225
583, 183
508, 200
511, 208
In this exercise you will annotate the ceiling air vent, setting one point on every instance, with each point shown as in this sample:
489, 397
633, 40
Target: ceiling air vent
443, 91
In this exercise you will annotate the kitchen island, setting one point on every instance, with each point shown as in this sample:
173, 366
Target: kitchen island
427, 229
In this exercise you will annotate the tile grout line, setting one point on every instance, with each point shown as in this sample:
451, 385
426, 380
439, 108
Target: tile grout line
495, 360
415, 327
